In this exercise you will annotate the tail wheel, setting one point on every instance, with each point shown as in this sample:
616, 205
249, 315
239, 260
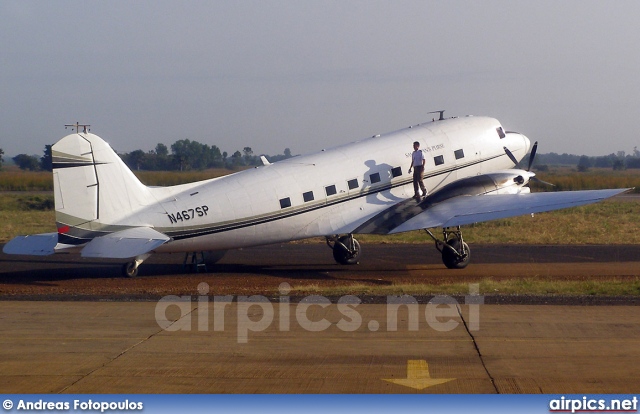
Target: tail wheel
458, 259
346, 250
130, 269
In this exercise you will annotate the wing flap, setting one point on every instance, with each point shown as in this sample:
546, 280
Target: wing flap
463, 210
125, 244
33, 245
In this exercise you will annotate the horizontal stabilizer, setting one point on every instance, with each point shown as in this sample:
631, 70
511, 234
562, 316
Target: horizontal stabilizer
34, 245
124, 244
463, 210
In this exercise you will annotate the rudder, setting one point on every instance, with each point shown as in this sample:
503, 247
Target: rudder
93, 188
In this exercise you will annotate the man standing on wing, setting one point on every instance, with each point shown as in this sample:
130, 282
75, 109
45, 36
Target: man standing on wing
417, 163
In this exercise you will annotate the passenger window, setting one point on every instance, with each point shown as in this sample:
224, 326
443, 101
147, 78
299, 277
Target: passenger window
459, 154
375, 178
396, 172
308, 196
330, 190
285, 202
352, 184
439, 160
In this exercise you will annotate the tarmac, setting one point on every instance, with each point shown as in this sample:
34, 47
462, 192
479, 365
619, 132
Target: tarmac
228, 344
119, 347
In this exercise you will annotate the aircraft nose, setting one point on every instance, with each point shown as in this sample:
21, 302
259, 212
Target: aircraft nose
527, 144
517, 142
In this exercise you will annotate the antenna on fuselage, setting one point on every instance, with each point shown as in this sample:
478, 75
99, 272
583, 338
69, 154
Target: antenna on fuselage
77, 126
438, 112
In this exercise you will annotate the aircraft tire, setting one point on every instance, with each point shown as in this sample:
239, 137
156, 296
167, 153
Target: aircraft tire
342, 255
130, 269
451, 260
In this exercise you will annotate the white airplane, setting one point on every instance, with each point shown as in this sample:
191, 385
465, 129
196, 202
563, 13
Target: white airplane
104, 211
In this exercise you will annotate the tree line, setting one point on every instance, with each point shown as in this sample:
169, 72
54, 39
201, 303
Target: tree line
616, 161
192, 155
182, 155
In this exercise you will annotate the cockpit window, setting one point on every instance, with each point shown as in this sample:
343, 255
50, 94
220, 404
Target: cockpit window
501, 133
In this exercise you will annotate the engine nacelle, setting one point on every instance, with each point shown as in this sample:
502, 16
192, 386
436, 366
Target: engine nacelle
500, 182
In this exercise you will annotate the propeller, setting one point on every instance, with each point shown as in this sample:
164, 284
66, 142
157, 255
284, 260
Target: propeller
537, 180
510, 155
532, 156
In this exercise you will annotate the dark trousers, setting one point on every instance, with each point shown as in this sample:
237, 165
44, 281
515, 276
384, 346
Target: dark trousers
417, 180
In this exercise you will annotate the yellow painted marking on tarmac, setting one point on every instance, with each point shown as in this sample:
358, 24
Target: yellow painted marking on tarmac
418, 376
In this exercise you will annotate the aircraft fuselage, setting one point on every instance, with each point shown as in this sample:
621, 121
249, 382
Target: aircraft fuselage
329, 192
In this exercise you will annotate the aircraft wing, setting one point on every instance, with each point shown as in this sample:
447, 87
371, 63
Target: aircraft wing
34, 245
125, 244
461, 210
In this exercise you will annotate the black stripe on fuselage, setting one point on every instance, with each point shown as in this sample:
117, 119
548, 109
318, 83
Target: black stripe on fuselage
187, 234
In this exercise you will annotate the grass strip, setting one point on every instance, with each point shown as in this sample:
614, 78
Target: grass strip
608, 222
525, 286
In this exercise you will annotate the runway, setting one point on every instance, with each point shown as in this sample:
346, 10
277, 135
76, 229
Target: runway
260, 270
73, 326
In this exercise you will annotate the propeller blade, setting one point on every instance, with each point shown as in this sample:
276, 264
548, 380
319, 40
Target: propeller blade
510, 155
532, 156
537, 180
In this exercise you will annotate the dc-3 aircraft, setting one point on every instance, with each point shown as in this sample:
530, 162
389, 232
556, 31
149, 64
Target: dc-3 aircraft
104, 211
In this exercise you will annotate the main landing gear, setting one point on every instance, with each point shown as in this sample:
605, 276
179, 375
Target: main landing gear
346, 249
193, 261
130, 269
455, 252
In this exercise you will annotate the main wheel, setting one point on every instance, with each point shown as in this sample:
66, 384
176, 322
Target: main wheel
451, 259
342, 255
130, 269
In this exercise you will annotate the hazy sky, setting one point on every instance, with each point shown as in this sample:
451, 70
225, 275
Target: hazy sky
313, 74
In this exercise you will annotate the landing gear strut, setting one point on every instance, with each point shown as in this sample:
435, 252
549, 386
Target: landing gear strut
346, 249
194, 261
200, 261
456, 254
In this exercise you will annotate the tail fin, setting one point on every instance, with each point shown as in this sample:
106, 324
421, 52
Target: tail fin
93, 188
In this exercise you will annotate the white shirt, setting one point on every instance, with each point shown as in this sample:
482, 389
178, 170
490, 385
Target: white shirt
416, 158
